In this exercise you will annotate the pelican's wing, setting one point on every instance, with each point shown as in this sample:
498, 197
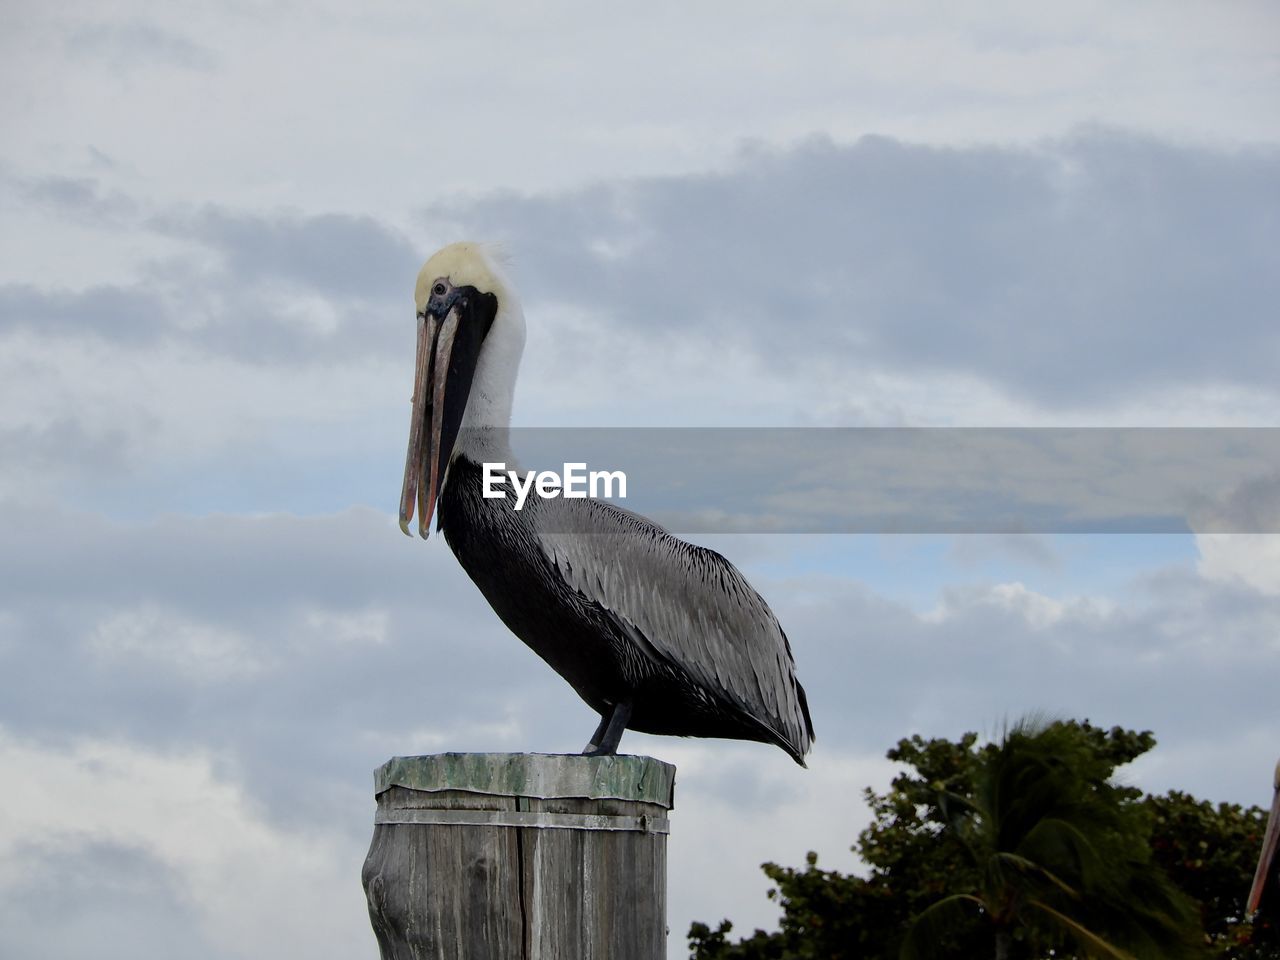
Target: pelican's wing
690, 604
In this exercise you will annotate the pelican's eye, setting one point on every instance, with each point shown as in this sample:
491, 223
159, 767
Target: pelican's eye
438, 289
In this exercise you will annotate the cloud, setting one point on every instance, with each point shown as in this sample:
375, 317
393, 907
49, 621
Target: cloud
130, 44
1074, 273
1068, 275
987, 650
1231, 536
172, 427
128, 316
30, 451
167, 851
147, 634
285, 289
1030, 549
344, 109
83, 199
127, 903
333, 255
1251, 559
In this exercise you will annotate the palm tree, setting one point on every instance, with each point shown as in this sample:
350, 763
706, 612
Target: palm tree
1060, 855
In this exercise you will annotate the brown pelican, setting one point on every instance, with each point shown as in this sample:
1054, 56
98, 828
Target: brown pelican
1267, 877
654, 633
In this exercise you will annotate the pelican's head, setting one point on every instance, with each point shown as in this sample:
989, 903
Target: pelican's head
470, 336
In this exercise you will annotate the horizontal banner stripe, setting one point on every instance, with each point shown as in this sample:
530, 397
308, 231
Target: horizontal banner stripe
519, 818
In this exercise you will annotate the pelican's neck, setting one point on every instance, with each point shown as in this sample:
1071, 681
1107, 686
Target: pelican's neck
486, 445
485, 436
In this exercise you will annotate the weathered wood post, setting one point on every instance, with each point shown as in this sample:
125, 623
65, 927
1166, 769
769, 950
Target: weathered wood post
517, 856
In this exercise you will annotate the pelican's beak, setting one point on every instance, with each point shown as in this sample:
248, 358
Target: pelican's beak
447, 355
1267, 865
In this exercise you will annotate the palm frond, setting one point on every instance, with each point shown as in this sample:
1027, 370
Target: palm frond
1090, 941
938, 923
1064, 844
1031, 868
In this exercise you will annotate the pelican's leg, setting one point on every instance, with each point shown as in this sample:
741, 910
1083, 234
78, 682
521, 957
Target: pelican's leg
596, 737
604, 742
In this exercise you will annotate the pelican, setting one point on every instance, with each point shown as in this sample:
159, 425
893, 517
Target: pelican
1267, 876
654, 634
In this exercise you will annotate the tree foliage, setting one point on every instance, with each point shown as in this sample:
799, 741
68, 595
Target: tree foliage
1210, 853
1027, 844
1060, 855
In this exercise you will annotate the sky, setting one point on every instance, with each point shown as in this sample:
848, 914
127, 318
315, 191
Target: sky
850, 215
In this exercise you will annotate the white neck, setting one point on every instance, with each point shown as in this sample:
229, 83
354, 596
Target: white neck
486, 422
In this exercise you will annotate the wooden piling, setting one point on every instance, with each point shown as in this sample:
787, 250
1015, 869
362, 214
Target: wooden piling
517, 856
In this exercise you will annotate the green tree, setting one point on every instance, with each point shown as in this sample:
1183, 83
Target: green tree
1060, 855
1210, 853
915, 858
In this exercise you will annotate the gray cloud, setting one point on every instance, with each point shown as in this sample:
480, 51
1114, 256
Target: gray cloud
81, 198
96, 898
292, 288
286, 289
129, 316
331, 254
1251, 505
64, 451
1032, 549
1093, 267
997, 651
1096, 267
129, 44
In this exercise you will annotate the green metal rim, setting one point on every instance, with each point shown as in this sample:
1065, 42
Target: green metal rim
542, 775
